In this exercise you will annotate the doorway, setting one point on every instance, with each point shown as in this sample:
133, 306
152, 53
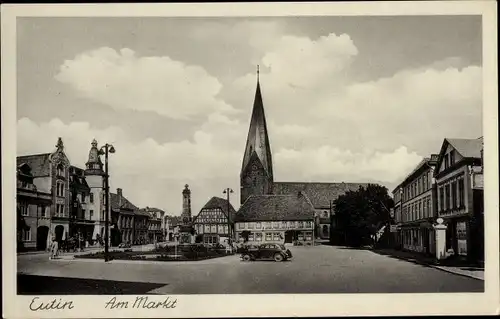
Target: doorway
42, 233
59, 233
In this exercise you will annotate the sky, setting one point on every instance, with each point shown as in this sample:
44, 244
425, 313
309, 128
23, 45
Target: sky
347, 99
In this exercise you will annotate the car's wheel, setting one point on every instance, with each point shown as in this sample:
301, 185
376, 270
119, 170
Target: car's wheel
247, 257
278, 257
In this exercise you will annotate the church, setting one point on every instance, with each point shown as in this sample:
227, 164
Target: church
284, 212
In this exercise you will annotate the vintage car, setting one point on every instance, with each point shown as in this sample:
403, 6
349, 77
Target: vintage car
276, 252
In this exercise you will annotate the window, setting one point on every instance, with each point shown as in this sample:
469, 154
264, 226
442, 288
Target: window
425, 185
461, 192
26, 234
251, 237
283, 225
447, 197
250, 225
308, 224
60, 170
301, 224
420, 212
207, 228
454, 194
267, 225
43, 211
258, 225
258, 236
269, 236
441, 199
24, 209
83, 213
452, 157
91, 197
276, 225
225, 229
446, 162
276, 236
213, 229
60, 210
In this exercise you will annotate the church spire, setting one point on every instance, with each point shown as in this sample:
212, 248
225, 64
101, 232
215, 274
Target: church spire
258, 150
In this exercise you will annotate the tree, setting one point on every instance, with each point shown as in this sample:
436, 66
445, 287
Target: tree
360, 214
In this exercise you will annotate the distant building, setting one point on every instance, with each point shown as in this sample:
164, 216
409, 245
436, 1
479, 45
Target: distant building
415, 208
156, 227
80, 224
276, 219
172, 225
459, 179
211, 224
257, 179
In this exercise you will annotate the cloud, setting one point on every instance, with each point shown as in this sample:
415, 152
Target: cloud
123, 80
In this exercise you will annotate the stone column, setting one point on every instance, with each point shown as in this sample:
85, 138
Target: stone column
440, 231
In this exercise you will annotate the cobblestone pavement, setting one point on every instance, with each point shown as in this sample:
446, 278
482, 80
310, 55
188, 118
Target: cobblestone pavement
318, 269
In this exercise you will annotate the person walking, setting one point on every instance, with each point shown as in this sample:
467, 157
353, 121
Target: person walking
54, 249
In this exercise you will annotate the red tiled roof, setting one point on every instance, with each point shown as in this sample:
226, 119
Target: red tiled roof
276, 207
320, 194
39, 163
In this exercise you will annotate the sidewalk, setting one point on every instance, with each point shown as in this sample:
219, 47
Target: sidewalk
471, 271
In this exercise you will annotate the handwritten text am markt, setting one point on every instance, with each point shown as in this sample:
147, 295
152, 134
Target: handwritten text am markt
142, 303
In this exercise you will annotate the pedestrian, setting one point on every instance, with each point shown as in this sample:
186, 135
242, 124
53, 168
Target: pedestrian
54, 249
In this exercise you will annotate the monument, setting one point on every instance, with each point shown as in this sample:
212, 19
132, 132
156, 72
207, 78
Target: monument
186, 228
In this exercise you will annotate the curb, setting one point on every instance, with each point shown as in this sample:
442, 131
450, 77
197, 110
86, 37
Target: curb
456, 272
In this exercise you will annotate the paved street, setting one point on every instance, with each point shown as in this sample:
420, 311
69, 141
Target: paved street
319, 269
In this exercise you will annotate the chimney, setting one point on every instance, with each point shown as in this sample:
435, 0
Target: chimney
119, 192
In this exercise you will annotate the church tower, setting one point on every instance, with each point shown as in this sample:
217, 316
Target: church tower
256, 177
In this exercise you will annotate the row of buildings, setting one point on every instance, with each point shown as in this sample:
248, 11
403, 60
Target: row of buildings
448, 185
57, 199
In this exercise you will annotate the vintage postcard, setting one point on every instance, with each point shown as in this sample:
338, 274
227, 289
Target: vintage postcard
234, 160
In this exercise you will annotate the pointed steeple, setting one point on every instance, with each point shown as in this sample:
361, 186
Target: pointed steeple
256, 177
258, 137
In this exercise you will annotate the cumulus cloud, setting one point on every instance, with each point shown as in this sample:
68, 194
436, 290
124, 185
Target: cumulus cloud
123, 80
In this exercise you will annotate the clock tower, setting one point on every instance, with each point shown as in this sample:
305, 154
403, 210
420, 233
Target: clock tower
256, 177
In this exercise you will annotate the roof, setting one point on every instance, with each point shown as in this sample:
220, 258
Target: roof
217, 202
77, 178
320, 194
424, 162
258, 137
125, 204
276, 207
468, 148
39, 163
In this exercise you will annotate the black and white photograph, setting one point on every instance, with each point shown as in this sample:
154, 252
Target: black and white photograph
162, 156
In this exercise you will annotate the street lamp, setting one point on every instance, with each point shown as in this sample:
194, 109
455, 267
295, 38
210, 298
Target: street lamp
105, 150
228, 191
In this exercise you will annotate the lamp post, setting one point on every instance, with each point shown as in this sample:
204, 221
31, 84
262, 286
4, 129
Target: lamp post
105, 150
228, 191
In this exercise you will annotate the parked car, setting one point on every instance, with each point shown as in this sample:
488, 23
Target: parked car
276, 252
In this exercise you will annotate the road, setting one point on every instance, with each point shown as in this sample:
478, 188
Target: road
319, 269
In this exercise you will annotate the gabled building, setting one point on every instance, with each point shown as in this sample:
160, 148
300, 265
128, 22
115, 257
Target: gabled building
212, 224
128, 223
80, 224
459, 179
50, 173
276, 219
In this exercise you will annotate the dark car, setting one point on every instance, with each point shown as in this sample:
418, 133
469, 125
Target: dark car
276, 252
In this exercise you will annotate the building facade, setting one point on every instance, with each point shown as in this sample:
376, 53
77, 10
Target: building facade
211, 224
459, 179
33, 212
80, 224
256, 176
50, 172
156, 226
276, 219
415, 208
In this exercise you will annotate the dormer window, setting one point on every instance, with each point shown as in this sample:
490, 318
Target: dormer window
452, 157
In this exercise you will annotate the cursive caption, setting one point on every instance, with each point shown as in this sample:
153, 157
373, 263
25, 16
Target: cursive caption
37, 304
141, 303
